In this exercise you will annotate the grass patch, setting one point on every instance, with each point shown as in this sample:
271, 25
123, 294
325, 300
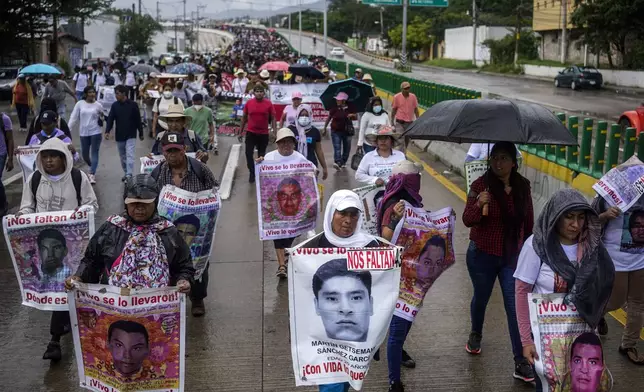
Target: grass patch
547, 63
450, 63
502, 68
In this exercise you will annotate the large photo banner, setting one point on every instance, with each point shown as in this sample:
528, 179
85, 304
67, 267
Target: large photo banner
287, 198
280, 96
195, 216
370, 196
571, 356
27, 160
623, 185
128, 340
46, 248
340, 305
149, 163
428, 240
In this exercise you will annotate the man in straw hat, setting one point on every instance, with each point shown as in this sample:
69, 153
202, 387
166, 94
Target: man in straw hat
128, 122
179, 123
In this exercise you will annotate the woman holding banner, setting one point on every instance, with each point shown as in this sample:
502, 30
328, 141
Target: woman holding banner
375, 167
404, 185
373, 118
496, 239
342, 229
138, 248
287, 194
564, 253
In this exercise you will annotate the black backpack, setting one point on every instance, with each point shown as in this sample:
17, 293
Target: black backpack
77, 179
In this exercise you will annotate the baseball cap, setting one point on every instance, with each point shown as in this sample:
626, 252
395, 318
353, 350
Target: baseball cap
172, 140
296, 95
283, 134
197, 97
405, 85
359, 70
349, 202
141, 188
48, 117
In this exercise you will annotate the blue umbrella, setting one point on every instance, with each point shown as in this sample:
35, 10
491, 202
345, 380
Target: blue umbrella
186, 68
40, 69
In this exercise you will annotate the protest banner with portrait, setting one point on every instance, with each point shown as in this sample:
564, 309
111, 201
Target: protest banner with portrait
622, 185
341, 302
128, 340
287, 198
27, 159
149, 163
428, 240
46, 248
195, 216
571, 356
370, 196
474, 170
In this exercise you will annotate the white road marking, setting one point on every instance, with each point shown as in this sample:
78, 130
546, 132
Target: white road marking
229, 173
11, 179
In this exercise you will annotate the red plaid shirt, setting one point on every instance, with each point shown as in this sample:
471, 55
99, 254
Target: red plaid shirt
487, 231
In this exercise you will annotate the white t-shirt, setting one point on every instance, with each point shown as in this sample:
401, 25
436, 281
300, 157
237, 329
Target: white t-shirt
130, 79
368, 124
161, 106
81, 81
614, 234
373, 166
86, 115
239, 86
99, 80
479, 151
530, 269
291, 112
275, 156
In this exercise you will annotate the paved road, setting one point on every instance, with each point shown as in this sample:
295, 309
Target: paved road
603, 104
242, 344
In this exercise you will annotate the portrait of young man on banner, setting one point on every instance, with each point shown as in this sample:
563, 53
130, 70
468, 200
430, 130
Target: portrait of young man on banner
586, 365
633, 232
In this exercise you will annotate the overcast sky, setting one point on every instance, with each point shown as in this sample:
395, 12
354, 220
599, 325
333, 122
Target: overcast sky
170, 8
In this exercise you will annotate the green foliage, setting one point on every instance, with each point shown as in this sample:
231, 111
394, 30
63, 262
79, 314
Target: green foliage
503, 68
135, 36
66, 66
502, 50
613, 25
451, 63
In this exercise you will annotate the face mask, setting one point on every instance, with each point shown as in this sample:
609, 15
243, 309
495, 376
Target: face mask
167, 94
197, 107
377, 109
304, 121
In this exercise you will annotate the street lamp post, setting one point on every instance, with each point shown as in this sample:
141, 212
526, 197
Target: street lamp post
326, 8
403, 55
300, 13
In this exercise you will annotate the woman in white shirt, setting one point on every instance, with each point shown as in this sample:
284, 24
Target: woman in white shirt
376, 166
289, 115
374, 117
130, 83
240, 82
88, 114
564, 253
624, 240
160, 108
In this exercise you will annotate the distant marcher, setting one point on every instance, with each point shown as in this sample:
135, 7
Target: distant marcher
203, 122
371, 120
89, 115
259, 114
57, 89
128, 122
404, 109
23, 101
341, 130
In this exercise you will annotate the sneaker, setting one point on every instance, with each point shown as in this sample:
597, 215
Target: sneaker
124, 178
92, 179
602, 327
198, 308
343, 166
407, 361
336, 166
53, 352
473, 345
216, 151
523, 371
396, 386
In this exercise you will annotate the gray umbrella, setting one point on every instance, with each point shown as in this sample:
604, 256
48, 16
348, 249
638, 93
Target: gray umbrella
142, 68
490, 120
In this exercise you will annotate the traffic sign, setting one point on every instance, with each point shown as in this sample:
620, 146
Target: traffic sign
382, 2
429, 3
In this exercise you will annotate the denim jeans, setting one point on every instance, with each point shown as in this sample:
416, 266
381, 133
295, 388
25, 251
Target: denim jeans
341, 147
366, 147
398, 330
126, 152
484, 270
22, 110
3, 195
91, 144
62, 110
339, 387
79, 95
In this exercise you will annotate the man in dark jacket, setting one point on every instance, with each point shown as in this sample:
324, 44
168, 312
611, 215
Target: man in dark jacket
128, 121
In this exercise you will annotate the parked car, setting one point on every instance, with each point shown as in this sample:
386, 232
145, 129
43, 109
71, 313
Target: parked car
633, 118
577, 77
8, 75
337, 52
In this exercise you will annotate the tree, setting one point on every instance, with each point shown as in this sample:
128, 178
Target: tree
609, 25
135, 33
22, 23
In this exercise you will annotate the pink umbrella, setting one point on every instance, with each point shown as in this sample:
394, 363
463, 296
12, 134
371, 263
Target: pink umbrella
275, 66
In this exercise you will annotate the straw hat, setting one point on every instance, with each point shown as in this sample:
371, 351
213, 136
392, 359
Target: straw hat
264, 74
240, 71
283, 134
367, 77
384, 130
174, 111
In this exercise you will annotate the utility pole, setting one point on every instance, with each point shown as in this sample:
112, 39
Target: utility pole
199, 8
564, 29
403, 54
326, 11
140, 7
289, 27
517, 36
184, 17
158, 12
300, 12
176, 40
382, 23
474, 27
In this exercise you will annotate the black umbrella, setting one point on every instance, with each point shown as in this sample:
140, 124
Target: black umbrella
306, 71
490, 120
142, 68
359, 94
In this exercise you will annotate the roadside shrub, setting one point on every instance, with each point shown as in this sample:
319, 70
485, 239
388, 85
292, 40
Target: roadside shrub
502, 50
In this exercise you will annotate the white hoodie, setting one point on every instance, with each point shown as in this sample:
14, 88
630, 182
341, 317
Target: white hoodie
56, 193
